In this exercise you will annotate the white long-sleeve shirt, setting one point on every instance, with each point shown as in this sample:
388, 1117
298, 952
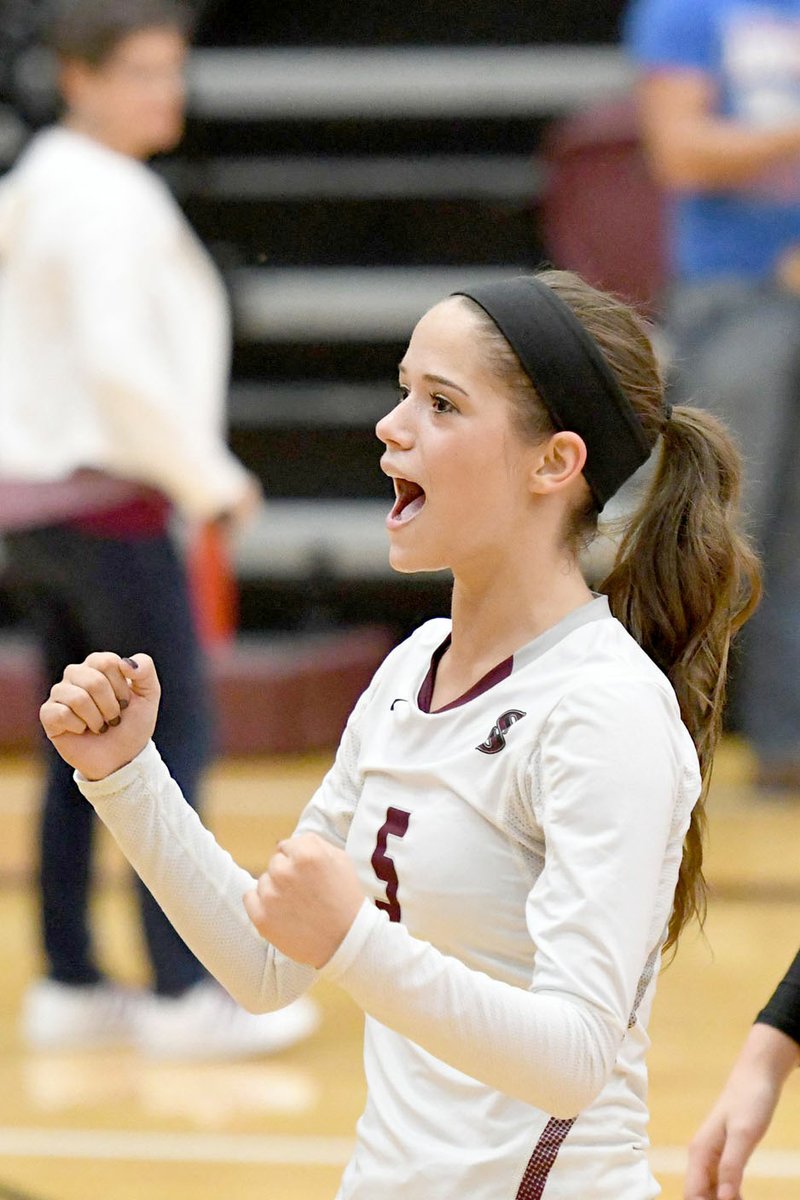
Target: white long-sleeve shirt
518, 852
114, 329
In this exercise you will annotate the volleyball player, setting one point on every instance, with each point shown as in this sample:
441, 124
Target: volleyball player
511, 832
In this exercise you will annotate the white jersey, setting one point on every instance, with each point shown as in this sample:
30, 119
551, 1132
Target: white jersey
519, 851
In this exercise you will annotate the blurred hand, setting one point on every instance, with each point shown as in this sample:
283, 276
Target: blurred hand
246, 506
306, 900
103, 712
740, 1118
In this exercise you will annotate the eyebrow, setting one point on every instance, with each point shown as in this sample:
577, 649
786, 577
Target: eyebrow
437, 379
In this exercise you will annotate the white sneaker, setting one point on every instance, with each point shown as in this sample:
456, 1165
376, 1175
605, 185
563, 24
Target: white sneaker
205, 1023
65, 1016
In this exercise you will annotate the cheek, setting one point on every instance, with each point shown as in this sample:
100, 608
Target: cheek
127, 109
162, 107
476, 481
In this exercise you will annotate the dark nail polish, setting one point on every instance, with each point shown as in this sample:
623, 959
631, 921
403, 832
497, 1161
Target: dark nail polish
103, 728
115, 721
124, 703
131, 663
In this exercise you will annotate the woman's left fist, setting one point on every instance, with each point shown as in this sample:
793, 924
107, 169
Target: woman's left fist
306, 900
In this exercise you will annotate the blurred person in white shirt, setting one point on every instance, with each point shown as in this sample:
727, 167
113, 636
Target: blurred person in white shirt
114, 361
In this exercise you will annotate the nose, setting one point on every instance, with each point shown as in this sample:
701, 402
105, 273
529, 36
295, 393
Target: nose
394, 429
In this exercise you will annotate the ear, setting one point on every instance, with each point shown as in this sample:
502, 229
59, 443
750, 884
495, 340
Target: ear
557, 463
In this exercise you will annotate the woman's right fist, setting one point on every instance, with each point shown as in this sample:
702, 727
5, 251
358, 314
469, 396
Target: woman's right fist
103, 712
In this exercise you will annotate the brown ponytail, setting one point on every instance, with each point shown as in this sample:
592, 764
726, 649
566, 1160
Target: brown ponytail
684, 579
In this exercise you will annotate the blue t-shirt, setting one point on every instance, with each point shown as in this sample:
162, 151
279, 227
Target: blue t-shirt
752, 49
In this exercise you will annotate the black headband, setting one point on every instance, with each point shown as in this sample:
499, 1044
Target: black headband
571, 377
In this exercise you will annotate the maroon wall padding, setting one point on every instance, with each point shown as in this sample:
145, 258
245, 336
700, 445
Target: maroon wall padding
22, 691
295, 695
602, 214
272, 695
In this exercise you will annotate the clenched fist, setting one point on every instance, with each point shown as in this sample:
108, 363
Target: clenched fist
103, 712
306, 900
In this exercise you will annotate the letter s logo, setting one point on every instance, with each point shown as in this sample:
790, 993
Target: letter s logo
495, 741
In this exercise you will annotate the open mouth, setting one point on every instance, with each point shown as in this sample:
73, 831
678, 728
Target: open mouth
409, 503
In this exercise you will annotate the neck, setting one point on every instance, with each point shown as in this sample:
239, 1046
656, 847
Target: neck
494, 618
103, 135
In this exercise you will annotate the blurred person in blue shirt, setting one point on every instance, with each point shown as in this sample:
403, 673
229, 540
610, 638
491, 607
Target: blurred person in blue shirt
720, 108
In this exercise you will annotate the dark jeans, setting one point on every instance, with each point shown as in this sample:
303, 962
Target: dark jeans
736, 350
86, 593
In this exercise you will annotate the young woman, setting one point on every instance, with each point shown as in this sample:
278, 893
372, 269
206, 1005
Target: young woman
511, 831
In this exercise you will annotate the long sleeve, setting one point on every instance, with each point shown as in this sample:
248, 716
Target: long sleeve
607, 779
151, 347
198, 884
541, 1049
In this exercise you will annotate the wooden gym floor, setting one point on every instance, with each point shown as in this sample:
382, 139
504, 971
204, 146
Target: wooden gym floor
109, 1126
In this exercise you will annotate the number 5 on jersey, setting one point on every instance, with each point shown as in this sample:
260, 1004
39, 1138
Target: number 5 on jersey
395, 825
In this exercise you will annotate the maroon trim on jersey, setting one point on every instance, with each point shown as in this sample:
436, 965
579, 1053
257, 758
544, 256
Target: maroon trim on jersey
496, 675
541, 1161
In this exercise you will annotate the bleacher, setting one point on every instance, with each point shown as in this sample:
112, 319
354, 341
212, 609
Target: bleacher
344, 188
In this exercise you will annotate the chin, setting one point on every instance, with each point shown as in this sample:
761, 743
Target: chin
409, 562
170, 143
165, 137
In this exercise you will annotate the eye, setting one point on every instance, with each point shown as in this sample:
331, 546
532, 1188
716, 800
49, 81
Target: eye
442, 405
402, 392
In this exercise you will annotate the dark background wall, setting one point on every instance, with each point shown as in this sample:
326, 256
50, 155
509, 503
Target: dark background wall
264, 228
388, 21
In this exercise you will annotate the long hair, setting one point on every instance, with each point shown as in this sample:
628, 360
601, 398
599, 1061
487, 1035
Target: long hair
684, 578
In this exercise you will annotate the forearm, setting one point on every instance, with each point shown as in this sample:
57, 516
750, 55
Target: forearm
155, 373
742, 1114
693, 146
769, 1053
714, 154
540, 1048
153, 443
195, 881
